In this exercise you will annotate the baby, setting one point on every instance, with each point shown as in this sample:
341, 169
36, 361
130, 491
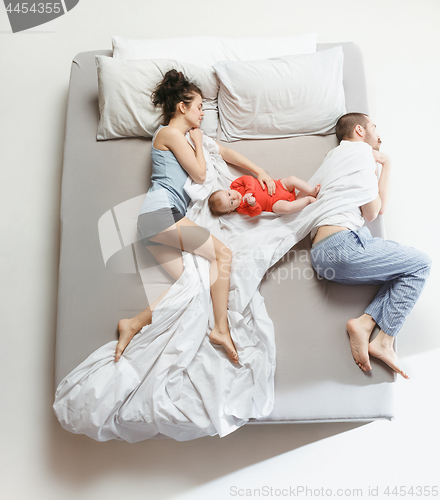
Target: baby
247, 197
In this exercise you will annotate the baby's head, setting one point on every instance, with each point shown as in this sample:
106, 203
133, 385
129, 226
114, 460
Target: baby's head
224, 201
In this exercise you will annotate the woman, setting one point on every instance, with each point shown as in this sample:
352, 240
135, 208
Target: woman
162, 222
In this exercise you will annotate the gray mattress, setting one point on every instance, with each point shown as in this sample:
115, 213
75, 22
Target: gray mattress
316, 377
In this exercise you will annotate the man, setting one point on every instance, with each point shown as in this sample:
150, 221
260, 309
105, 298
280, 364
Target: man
344, 251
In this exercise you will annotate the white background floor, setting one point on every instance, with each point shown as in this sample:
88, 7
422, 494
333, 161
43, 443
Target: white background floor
400, 42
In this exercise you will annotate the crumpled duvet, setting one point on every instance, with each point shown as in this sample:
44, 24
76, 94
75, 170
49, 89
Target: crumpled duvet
171, 381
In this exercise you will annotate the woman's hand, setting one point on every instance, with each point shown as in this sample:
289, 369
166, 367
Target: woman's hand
196, 136
264, 178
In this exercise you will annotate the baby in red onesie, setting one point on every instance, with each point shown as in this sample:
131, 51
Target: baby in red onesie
248, 197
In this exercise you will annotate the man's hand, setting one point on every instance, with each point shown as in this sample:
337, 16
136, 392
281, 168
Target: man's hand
384, 182
263, 178
249, 199
381, 158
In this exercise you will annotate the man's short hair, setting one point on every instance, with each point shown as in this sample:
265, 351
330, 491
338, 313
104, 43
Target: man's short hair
347, 123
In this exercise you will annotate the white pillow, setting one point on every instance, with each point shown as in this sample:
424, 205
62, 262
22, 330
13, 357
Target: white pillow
124, 92
207, 50
281, 97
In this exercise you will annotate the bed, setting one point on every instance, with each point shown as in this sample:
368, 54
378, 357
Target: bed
316, 379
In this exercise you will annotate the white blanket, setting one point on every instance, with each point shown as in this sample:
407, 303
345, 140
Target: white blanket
171, 381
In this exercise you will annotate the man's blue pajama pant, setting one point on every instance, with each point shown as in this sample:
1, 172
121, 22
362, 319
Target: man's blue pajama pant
355, 258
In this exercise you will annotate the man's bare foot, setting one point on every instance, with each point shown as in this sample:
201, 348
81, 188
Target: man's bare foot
127, 330
223, 338
382, 349
359, 331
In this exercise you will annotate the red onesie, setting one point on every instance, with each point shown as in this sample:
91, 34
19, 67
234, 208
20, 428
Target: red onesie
263, 202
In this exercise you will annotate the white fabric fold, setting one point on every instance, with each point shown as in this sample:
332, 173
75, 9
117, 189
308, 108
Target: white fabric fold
171, 381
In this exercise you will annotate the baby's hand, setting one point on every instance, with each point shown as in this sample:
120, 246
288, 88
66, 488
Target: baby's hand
250, 199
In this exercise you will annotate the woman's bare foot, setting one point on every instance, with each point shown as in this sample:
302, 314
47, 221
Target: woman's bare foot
359, 331
223, 338
382, 348
127, 330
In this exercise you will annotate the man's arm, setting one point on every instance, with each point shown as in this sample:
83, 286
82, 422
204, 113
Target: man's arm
377, 207
385, 178
371, 210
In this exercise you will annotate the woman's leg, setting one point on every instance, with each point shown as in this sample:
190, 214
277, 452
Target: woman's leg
188, 236
171, 261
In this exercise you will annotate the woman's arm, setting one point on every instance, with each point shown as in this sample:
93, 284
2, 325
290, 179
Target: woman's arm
192, 162
231, 156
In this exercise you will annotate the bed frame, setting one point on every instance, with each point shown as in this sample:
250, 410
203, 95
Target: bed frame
316, 378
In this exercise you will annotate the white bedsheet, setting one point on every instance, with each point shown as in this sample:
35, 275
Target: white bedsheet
171, 381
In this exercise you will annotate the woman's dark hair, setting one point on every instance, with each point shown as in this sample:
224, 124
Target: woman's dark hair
347, 123
174, 88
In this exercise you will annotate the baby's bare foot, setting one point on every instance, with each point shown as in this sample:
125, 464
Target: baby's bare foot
311, 199
127, 330
223, 338
386, 354
316, 190
359, 334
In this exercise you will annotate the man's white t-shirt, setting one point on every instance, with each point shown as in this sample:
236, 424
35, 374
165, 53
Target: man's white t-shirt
351, 219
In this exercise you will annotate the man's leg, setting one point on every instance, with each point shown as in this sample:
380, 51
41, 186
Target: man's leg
358, 258
359, 331
404, 293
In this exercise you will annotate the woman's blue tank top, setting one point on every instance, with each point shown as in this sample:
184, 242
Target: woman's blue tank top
167, 181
